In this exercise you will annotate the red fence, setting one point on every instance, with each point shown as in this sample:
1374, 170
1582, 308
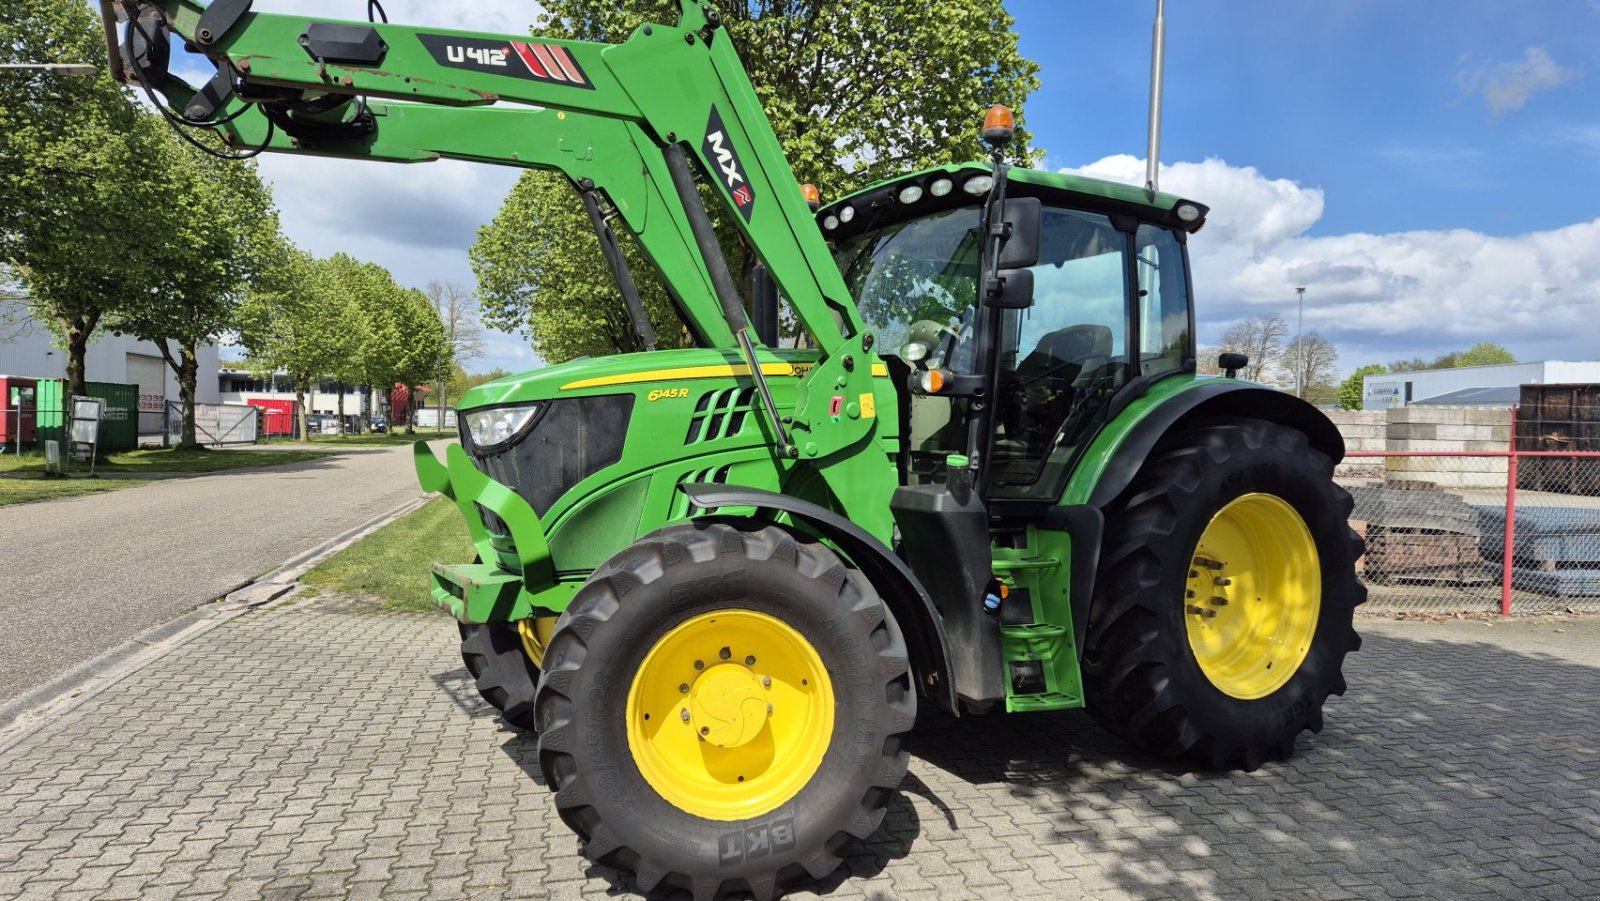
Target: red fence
1455, 531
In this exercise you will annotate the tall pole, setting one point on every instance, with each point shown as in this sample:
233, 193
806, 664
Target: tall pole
1158, 52
1300, 345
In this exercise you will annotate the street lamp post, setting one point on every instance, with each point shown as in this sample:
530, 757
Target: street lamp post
1300, 345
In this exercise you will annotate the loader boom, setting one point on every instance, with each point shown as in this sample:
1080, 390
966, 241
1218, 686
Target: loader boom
627, 117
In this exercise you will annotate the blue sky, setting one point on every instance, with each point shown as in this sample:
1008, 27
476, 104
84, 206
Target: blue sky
1379, 103
1429, 169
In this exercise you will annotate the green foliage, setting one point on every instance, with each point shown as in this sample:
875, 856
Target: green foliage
339, 318
856, 93
1481, 354
225, 228
1349, 395
540, 272
78, 200
1485, 354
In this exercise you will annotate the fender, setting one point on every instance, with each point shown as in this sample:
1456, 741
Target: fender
1219, 398
905, 596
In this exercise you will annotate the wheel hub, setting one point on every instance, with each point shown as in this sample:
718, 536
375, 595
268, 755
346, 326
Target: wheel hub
730, 714
1252, 596
728, 707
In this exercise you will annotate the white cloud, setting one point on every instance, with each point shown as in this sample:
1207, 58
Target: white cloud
1379, 296
1507, 86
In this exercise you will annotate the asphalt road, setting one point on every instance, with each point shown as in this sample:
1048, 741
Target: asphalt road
83, 575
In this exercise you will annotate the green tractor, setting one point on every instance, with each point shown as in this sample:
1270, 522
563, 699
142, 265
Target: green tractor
717, 582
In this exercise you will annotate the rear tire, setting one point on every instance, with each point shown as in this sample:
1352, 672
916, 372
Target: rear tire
1150, 675
632, 643
501, 670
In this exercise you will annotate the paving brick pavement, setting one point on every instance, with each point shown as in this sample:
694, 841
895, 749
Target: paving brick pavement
310, 750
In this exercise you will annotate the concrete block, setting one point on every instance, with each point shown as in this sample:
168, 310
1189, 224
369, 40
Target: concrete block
1417, 430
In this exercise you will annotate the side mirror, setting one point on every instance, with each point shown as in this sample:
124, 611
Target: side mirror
1009, 289
1021, 246
1231, 362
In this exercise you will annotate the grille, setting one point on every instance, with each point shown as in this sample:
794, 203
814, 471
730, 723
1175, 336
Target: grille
681, 508
720, 414
573, 439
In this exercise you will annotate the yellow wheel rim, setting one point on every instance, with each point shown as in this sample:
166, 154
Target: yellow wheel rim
730, 714
535, 634
1252, 596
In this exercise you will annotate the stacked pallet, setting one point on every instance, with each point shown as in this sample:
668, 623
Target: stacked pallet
1417, 533
1556, 550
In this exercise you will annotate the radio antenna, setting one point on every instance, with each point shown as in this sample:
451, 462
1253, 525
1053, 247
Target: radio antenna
1158, 52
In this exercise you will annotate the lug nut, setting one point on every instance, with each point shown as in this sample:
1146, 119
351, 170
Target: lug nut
683, 688
699, 664
1219, 600
769, 708
750, 661
1222, 581
724, 653
1201, 611
766, 681
685, 714
705, 730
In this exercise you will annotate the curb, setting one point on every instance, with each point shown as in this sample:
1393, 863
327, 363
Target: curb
36, 707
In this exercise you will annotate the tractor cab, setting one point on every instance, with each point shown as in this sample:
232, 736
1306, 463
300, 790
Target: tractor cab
1109, 309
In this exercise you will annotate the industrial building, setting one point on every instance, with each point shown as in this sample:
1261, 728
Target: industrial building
30, 350
1471, 386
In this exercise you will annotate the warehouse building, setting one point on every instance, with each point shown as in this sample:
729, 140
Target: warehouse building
1475, 386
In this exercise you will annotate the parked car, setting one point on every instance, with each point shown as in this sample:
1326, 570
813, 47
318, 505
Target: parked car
379, 424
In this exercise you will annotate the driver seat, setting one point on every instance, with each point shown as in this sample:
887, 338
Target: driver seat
1061, 355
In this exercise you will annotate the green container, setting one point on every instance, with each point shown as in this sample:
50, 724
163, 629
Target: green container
119, 427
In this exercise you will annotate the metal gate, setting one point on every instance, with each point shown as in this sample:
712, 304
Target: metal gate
215, 423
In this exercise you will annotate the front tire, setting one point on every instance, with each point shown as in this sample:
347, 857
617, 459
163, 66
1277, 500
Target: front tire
502, 670
1224, 604
723, 707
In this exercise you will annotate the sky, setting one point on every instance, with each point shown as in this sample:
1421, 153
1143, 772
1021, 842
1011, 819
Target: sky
1429, 170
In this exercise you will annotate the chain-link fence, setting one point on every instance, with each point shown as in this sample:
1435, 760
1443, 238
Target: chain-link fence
1477, 531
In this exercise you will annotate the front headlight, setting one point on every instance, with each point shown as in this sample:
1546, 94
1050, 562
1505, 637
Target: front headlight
491, 428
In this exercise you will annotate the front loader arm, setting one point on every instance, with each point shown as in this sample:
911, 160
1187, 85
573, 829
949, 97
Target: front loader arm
604, 151
667, 85
627, 116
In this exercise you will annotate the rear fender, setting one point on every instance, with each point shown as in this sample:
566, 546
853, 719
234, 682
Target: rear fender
1219, 399
905, 596
1222, 398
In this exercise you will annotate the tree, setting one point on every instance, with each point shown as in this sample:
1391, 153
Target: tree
226, 219
426, 355
475, 379
856, 93
78, 212
1481, 354
463, 336
1350, 396
1261, 338
1485, 354
1311, 362
296, 319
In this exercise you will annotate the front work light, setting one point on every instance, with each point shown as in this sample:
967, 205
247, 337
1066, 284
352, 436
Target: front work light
978, 184
910, 193
940, 187
495, 427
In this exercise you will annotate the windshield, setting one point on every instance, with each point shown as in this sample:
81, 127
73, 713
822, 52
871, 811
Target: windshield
1096, 321
925, 270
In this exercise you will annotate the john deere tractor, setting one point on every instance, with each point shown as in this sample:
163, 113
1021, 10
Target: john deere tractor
717, 582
